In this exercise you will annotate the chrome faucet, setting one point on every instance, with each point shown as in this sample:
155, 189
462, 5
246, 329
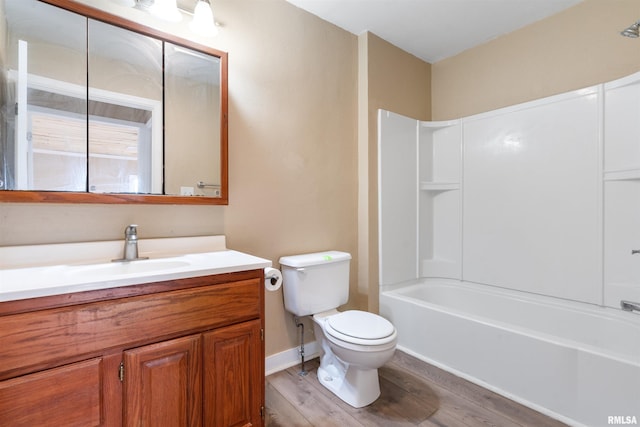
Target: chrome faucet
131, 244
630, 306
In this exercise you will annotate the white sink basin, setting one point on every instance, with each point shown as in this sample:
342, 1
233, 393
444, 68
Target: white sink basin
39, 281
126, 268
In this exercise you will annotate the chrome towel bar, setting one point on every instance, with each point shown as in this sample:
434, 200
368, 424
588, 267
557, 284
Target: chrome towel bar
201, 184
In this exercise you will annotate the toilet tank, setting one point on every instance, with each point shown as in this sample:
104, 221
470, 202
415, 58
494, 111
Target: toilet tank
316, 282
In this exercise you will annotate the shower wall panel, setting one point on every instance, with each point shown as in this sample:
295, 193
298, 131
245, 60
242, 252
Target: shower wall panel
622, 236
622, 190
532, 205
397, 204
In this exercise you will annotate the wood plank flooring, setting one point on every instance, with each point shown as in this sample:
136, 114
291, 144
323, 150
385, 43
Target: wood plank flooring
413, 393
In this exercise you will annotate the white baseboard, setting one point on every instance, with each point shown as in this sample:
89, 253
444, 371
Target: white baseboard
288, 358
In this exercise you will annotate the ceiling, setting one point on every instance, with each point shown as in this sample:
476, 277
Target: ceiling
434, 30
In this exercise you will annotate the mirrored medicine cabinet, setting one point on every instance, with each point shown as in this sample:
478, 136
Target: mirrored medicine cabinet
98, 109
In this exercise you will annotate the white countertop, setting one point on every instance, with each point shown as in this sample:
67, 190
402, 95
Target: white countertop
21, 280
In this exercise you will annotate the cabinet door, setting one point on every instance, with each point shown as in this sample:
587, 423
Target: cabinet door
163, 384
70, 395
234, 378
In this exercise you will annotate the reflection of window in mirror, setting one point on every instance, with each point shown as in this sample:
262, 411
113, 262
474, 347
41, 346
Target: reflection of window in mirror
58, 141
120, 159
125, 96
56, 160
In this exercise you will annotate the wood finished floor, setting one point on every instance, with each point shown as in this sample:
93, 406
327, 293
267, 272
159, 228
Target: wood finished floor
413, 393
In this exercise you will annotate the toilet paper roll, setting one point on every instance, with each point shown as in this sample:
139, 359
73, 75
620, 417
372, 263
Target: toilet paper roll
272, 279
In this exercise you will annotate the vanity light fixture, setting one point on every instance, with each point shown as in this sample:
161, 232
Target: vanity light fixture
126, 3
632, 31
166, 10
203, 22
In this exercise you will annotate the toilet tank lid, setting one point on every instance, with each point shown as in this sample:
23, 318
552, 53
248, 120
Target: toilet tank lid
316, 258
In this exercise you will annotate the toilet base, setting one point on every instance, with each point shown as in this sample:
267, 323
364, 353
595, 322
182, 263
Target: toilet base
356, 387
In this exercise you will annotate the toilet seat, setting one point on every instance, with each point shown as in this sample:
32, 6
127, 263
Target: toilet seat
360, 327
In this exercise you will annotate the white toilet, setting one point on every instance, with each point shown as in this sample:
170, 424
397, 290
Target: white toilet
353, 343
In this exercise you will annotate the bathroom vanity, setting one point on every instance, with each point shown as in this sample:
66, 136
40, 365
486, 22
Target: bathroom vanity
181, 351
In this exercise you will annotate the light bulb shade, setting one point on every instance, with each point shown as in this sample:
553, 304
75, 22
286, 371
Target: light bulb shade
126, 3
203, 22
166, 10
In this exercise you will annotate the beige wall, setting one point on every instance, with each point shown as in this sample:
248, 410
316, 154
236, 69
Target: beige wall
293, 123
578, 47
292, 147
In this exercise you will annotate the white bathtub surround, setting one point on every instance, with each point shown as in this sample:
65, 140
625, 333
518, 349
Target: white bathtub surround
517, 191
529, 197
542, 200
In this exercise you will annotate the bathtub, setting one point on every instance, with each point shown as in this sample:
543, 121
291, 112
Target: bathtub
575, 362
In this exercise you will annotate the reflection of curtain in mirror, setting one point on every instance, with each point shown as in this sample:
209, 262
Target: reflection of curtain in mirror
21, 175
57, 132
58, 147
6, 101
125, 88
114, 161
120, 159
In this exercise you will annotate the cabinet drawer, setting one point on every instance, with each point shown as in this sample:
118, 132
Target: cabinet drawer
67, 396
47, 338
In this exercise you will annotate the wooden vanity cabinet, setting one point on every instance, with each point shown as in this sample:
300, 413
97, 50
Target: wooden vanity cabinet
188, 352
235, 398
163, 383
69, 395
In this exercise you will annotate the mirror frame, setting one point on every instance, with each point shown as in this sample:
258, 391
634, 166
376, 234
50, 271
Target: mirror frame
26, 196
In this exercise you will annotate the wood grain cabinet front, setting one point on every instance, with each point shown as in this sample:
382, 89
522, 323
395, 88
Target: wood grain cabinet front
182, 353
163, 384
233, 376
69, 395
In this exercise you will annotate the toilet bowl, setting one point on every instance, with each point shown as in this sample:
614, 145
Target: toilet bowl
351, 353
353, 343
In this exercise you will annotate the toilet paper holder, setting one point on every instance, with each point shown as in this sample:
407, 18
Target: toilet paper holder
272, 279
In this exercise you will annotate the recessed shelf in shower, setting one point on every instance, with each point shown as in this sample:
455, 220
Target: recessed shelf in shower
439, 186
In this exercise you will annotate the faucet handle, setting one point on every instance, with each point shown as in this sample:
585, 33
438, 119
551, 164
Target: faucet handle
131, 230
